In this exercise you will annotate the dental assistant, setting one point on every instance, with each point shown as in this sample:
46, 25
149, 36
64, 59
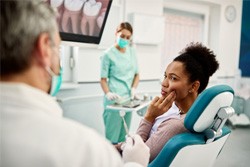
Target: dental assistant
33, 131
119, 79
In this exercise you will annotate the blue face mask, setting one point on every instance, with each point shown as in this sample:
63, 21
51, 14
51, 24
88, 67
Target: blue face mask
56, 82
122, 42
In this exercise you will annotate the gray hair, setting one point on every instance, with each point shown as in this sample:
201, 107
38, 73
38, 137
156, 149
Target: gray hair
22, 21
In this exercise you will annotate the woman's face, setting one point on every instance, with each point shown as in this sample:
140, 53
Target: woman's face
176, 79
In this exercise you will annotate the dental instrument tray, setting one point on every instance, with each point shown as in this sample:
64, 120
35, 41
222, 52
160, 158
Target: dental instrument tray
132, 103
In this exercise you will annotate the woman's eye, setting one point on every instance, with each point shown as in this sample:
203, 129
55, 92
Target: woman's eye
125, 37
172, 78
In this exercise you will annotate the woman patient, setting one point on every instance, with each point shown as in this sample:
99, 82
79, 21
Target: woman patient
184, 79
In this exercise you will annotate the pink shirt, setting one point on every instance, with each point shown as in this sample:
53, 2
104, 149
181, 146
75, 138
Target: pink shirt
166, 130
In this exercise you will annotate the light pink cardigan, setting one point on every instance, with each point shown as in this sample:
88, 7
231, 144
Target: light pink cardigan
165, 131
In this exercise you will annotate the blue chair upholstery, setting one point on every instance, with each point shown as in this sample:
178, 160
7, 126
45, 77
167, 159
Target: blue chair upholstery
205, 120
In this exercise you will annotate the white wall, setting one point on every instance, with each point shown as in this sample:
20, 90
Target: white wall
149, 56
83, 101
229, 38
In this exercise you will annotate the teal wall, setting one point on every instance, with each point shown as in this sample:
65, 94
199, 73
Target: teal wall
244, 63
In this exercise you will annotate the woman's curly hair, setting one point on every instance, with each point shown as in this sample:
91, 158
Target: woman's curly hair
200, 63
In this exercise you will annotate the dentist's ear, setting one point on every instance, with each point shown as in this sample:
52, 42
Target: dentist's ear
43, 49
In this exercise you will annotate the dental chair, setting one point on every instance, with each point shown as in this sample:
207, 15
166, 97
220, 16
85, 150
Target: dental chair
205, 120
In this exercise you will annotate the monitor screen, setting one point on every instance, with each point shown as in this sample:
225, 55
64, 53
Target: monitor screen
81, 20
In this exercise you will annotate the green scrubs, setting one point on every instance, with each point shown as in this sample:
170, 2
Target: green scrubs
120, 69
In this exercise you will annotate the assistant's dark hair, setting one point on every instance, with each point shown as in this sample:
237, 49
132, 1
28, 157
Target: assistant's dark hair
200, 63
125, 25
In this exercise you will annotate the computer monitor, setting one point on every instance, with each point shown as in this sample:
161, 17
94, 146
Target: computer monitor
81, 20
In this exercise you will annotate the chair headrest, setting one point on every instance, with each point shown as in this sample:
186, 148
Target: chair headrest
203, 111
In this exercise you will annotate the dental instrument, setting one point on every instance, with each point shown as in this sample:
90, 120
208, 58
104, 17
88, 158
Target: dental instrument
122, 114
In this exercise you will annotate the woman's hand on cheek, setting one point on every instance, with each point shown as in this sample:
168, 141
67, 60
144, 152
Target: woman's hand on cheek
159, 106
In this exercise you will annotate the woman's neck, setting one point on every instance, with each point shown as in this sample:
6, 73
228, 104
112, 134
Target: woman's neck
185, 104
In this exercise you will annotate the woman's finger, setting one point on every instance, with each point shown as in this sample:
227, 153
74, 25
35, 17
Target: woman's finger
161, 99
155, 100
167, 102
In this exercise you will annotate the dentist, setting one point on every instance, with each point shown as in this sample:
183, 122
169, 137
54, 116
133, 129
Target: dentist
33, 131
119, 78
